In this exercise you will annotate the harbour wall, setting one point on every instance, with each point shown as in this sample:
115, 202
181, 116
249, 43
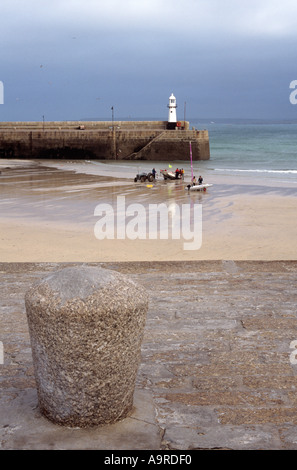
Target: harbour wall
117, 140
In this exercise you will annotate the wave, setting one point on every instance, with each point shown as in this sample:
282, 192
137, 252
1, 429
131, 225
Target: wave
111, 164
256, 171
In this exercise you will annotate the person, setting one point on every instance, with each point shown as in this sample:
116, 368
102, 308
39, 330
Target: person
154, 173
200, 180
194, 181
176, 173
182, 173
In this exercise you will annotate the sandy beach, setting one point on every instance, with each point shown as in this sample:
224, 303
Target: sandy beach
47, 215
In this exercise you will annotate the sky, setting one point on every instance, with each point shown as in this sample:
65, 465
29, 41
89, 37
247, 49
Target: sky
76, 59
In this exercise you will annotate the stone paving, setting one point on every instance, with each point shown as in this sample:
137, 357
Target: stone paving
218, 366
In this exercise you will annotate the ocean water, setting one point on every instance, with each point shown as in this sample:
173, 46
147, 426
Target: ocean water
262, 152
245, 158
255, 149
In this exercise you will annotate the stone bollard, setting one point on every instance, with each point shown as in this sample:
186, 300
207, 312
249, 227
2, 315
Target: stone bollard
86, 327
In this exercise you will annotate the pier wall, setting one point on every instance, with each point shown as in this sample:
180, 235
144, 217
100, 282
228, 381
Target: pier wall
131, 140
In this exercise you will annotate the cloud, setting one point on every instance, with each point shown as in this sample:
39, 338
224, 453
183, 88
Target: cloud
172, 17
121, 50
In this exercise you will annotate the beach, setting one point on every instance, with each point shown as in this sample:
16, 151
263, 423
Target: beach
218, 366
48, 214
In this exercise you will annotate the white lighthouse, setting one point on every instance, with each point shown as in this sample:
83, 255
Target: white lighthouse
172, 109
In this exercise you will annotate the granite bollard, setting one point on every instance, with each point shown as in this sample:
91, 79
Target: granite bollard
86, 327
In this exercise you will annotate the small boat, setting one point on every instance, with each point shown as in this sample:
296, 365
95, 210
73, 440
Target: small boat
170, 175
198, 187
194, 186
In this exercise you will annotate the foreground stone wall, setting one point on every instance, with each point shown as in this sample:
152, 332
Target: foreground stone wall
142, 140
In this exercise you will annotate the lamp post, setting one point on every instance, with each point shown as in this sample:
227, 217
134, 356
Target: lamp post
113, 134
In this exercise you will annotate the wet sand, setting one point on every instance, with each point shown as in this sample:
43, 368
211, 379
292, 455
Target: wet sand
47, 215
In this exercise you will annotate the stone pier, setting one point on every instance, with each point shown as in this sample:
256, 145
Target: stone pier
119, 140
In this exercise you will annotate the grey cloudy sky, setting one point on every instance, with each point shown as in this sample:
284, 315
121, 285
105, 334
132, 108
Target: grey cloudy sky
75, 59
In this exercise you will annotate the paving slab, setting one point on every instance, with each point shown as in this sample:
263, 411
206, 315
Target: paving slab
218, 367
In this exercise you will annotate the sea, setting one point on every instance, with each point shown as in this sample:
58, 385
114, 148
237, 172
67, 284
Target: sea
260, 151
263, 150
246, 158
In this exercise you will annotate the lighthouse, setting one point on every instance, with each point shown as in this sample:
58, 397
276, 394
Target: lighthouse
172, 119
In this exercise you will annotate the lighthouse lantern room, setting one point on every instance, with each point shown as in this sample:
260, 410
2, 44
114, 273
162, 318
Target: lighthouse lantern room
172, 119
